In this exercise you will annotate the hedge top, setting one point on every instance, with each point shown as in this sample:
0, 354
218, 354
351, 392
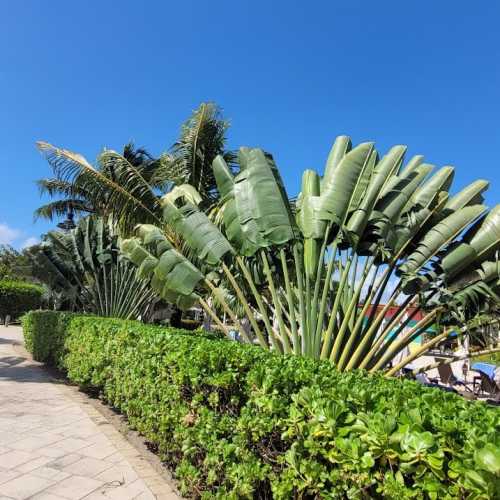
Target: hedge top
18, 297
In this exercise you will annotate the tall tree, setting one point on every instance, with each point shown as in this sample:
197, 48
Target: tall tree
128, 186
13, 264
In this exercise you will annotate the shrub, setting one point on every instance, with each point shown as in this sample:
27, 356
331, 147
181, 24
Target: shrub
18, 297
44, 334
236, 421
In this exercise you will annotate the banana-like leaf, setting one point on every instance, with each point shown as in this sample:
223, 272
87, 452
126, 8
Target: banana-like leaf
232, 225
481, 242
383, 171
262, 206
223, 177
340, 184
327, 302
428, 192
428, 199
312, 226
394, 201
363, 182
308, 206
489, 271
414, 224
380, 229
441, 235
172, 276
256, 210
341, 146
153, 235
86, 266
198, 232
471, 195
404, 173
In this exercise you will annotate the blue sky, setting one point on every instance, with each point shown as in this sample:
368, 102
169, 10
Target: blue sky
290, 76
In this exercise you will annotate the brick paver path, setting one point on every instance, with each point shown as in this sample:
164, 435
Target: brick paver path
56, 446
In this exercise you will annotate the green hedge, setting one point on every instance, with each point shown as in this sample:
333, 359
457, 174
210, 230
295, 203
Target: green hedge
235, 421
18, 297
44, 335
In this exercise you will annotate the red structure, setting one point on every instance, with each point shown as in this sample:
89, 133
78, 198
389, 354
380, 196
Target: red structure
394, 310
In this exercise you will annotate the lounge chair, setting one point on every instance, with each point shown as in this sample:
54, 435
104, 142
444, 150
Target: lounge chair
488, 387
449, 379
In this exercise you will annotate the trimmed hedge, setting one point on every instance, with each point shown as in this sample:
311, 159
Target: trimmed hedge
18, 297
44, 334
235, 421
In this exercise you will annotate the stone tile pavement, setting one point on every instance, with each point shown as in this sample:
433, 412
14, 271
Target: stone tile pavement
54, 445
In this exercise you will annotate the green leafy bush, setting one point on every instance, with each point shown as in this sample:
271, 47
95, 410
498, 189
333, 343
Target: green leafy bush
18, 297
235, 421
44, 334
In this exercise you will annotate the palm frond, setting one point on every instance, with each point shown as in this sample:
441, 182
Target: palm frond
60, 208
203, 137
126, 207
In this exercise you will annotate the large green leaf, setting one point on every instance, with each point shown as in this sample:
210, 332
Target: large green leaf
404, 173
441, 235
172, 276
312, 226
428, 198
262, 205
471, 195
428, 192
199, 233
308, 206
381, 230
232, 225
341, 146
383, 171
389, 228
480, 243
488, 458
339, 185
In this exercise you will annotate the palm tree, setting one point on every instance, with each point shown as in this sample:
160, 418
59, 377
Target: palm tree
117, 186
128, 186
202, 139
366, 236
84, 271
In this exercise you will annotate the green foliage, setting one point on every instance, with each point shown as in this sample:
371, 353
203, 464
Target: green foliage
236, 421
83, 268
44, 333
128, 185
13, 264
18, 297
308, 277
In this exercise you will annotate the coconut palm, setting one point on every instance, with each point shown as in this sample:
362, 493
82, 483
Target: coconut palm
189, 161
128, 185
368, 235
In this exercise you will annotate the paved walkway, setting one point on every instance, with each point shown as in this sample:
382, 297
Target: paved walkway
54, 445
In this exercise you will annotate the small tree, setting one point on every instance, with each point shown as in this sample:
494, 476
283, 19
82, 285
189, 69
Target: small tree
83, 268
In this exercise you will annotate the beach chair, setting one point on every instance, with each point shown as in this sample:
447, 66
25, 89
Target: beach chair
449, 379
488, 387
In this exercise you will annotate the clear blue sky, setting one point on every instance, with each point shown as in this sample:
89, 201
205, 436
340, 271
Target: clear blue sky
290, 75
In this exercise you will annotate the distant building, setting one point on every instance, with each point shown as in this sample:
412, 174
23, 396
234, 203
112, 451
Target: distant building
411, 311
